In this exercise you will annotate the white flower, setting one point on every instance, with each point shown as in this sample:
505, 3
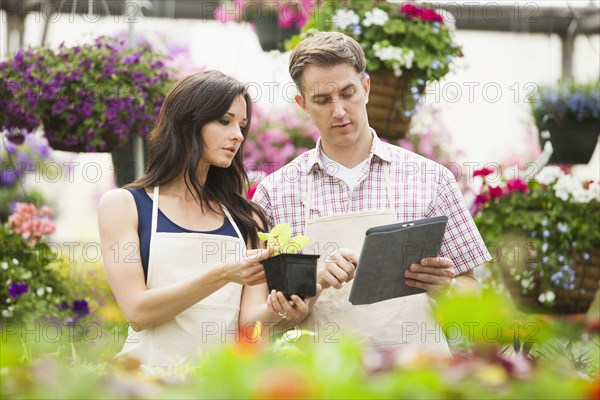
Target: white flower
375, 17
385, 53
26, 275
40, 291
402, 58
547, 297
7, 314
4, 265
566, 185
49, 289
580, 195
526, 283
344, 18
15, 261
549, 174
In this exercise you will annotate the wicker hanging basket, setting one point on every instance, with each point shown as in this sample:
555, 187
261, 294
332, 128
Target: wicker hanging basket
387, 104
577, 300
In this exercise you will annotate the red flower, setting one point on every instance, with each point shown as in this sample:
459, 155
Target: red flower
481, 199
515, 185
426, 14
483, 172
495, 192
586, 185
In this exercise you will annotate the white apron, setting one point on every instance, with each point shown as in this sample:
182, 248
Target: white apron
405, 321
174, 257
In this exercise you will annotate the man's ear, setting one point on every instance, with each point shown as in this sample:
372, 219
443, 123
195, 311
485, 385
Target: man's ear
367, 86
300, 101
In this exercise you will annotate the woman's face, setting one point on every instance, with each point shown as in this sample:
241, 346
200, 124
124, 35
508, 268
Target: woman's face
223, 137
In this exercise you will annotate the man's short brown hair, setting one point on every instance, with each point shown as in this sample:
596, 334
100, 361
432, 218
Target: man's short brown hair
325, 49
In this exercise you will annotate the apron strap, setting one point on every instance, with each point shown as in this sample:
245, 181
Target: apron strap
228, 215
154, 210
389, 187
308, 200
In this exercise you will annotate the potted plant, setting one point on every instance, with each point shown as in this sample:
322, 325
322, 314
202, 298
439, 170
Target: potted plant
545, 237
287, 271
568, 116
405, 48
275, 21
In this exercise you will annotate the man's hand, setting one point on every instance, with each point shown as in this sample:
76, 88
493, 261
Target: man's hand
434, 274
338, 268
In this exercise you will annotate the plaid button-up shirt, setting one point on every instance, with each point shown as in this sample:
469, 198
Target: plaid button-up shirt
422, 188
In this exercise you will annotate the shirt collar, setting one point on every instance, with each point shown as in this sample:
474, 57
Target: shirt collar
378, 149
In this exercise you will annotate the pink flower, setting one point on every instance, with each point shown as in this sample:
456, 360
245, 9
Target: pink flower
46, 211
483, 172
251, 191
515, 185
495, 192
30, 224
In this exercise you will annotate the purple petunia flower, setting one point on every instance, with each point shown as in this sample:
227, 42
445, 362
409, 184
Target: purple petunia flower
80, 308
17, 290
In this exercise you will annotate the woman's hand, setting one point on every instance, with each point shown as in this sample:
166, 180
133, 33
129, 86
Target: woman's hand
294, 310
247, 268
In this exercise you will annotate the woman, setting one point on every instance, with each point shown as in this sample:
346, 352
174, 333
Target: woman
174, 242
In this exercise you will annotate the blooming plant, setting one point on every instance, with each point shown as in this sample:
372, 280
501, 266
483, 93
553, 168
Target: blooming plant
557, 218
572, 101
289, 13
281, 240
18, 161
91, 98
276, 139
30, 286
410, 38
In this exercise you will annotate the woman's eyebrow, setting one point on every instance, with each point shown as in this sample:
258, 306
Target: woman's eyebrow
233, 115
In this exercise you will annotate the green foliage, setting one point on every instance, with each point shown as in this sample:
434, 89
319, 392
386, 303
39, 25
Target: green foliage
305, 364
409, 39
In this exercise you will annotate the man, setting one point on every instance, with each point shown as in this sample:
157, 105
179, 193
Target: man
353, 181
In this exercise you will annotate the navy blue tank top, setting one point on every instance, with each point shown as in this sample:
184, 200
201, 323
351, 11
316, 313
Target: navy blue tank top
143, 203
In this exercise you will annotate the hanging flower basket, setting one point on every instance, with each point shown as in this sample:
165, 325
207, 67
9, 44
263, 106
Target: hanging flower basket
533, 297
405, 46
562, 134
544, 234
568, 116
388, 108
89, 98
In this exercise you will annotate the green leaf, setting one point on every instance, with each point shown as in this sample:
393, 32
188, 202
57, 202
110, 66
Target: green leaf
264, 236
295, 245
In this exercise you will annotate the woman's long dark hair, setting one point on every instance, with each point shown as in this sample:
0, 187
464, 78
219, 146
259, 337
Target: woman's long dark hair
175, 147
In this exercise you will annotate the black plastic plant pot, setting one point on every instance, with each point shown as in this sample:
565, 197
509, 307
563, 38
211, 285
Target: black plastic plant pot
292, 274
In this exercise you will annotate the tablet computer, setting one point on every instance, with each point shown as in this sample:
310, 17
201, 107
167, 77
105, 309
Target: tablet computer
388, 250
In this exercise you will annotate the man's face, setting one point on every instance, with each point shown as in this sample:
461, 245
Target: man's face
335, 99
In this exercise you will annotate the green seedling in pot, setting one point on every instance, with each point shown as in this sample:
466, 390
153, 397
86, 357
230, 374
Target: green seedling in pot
279, 238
